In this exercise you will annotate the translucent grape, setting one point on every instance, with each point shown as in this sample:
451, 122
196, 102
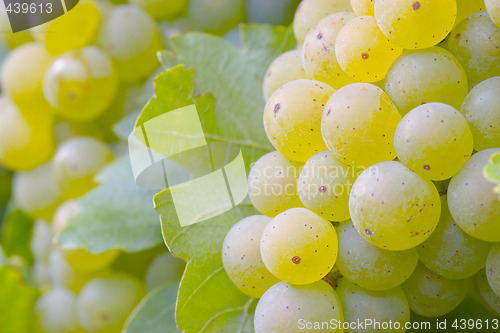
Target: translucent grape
286, 308
450, 252
62, 274
41, 240
369, 266
493, 8
318, 51
481, 110
216, 16
132, 38
285, 68
162, 10
81, 84
325, 184
416, 24
378, 306
310, 12
292, 118
493, 268
434, 141
163, 270
298, 246
394, 208
241, 256
363, 51
358, 124
487, 296
431, 295
474, 205
363, 7
425, 76
466, 8
475, 42
56, 312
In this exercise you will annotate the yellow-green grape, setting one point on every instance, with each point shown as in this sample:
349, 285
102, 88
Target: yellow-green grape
450, 252
466, 8
285, 68
476, 43
363, 7
434, 141
318, 51
310, 12
425, 76
394, 208
131, 38
62, 274
163, 270
473, 203
325, 184
272, 184
363, 51
162, 10
241, 256
432, 295
216, 16
493, 8
292, 118
358, 124
8, 38
378, 306
56, 312
40, 275
481, 111
369, 266
72, 31
487, 296
286, 308
416, 24
298, 246
76, 162
104, 304
493, 268
41, 240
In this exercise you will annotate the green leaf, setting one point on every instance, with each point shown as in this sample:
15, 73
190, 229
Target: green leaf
492, 171
155, 313
16, 234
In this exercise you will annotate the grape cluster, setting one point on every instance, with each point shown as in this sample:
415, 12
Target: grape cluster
374, 202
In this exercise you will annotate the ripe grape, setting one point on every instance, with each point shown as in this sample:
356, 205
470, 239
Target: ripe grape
40, 274
292, 118
493, 8
358, 124
487, 296
369, 266
434, 141
466, 8
474, 205
318, 51
41, 240
363, 51
416, 24
450, 252
481, 111
493, 268
241, 256
285, 68
56, 312
216, 16
162, 10
272, 184
284, 307
425, 76
298, 246
394, 208
431, 295
62, 274
324, 186
163, 270
363, 7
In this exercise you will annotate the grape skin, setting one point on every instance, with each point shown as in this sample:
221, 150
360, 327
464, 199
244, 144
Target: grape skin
363, 7
41, 240
216, 16
493, 268
56, 312
162, 10
466, 8
487, 296
493, 8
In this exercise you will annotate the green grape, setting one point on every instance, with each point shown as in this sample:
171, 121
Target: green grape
40, 275
425, 76
473, 204
416, 24
487, 296
56, 312
363, 51
379, 307
394, 208
81, 84
450, 252
298, 246
67, 210
475, 42
272, 184
493, 268
434, 141
493, 8
163, 270
324, 186
432, 295
286, 308
162, 10
62, 275
318, 51
276, 12
310, 12
466, 8
216, 16
292, 118
131, 38
363, 7
369, 266
481, 111
104, 304
241, 256
76, 162
358, 124
285, 68
41, 240
72, 31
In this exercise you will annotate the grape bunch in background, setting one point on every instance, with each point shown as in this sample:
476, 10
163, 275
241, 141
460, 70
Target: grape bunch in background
374, 202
